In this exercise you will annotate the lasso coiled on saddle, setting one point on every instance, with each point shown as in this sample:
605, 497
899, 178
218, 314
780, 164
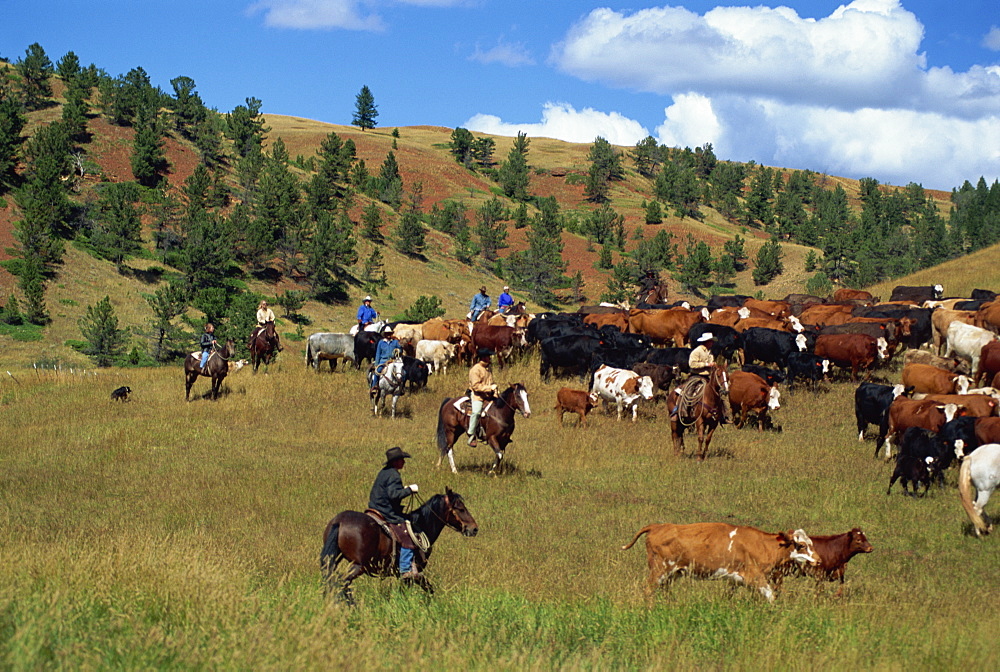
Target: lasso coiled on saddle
689, 395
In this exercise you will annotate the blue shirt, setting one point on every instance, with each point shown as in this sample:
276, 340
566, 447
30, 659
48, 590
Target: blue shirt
383, 351
505, 300
366, 314
479, 302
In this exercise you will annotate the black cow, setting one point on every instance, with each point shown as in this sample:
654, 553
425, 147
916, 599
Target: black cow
807, 366
972, 304
770, 345
662, 376
365, 343
919, 293
717, 301
416, 372
871, 407
984, 295
618, 358
572, 354
727, 339
669, 357
961, 428
771, 376
612, 337
121, 393
918, 461
920, 331
541, 328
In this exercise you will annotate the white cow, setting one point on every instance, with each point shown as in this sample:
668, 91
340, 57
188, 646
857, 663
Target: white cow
967, 341
437, 354
623, 387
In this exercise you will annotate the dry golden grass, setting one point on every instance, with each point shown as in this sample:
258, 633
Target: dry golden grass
159, 533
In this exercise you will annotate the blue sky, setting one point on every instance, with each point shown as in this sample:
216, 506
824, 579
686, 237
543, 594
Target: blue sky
899, 90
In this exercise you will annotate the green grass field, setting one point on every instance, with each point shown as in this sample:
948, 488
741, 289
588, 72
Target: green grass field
164, 534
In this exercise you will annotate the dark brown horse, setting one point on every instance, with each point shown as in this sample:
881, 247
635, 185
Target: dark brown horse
497, 423
655, 294
264, 343
357, 538
704, 415
217, 368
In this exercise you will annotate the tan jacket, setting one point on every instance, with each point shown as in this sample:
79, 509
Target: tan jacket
701, 360
265, 315
481, 381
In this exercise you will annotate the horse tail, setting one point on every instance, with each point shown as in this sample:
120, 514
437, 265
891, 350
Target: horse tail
965, 494
330, 555
442, 433
636, 537
308, 353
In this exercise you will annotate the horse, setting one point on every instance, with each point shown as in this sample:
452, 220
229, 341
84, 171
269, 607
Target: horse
263, 344
217, 368
704, 415
392, 383
497, 424
980, 470
655, 294
364, 543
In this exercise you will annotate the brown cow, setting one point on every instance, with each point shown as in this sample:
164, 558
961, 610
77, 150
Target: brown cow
941, 318
856, 351
772, 308
664, 325
661, 374
905, 413
618, 319
820, 315
927, 379
437, 329
847, 294
501, 340
947, 363
988, 316
575, 401
741, 554
973, 405
987, 430
766, 322
748, 392
989, 362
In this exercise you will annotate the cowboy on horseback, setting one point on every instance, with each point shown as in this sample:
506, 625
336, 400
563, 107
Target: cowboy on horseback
208, 344
366, 314
264, 315
386, 350
701, 362
386, 498
481, 388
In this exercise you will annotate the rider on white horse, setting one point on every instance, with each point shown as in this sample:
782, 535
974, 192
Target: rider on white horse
388, 349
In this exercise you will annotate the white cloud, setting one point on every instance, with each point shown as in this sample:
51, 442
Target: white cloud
312, 14
849, 93
345, 14
504, 53
992, 39
563, 122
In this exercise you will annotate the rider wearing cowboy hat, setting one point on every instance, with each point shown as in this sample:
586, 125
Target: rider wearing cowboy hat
366, 314
701, 361
387, 349
387, 497
505, 301
482, 388
480, 302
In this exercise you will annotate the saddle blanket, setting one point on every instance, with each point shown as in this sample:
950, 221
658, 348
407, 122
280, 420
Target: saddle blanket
464, 405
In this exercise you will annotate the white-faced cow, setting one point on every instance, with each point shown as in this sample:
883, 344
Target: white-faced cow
623, 387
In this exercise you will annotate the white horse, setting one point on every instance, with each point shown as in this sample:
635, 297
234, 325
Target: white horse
374, 326
391, 383
980, 470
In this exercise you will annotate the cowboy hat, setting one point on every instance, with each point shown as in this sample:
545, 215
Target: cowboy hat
483, 353
387, 329
505, 288
483, 288
367, 298
395, 453
707, 336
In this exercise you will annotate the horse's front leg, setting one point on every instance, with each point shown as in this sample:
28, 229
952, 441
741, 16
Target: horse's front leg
498, 449
677, 434
394, 398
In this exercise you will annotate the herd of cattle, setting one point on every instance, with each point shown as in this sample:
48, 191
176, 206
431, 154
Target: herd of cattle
937, 414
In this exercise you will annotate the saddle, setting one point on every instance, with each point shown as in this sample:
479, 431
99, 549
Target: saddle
464, 405
412, 539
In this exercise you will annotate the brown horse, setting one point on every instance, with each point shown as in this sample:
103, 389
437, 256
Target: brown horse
704, 415
497, 423
217, 368
360, 540
263, 344
654, 294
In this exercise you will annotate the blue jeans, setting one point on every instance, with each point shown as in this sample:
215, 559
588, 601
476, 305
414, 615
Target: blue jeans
405, 560
204, 357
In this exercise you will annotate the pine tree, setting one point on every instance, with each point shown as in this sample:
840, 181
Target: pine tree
105, 341
246, 128
491, 229
167, 304
32, 283
653, 213
371, 223
35, 70
768, 263
647, 156
148, 155
513, 175
365, 111
390, 182
696, 266
12, 122
117, 227
373, 275
461, 146
424, 308
410, 235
